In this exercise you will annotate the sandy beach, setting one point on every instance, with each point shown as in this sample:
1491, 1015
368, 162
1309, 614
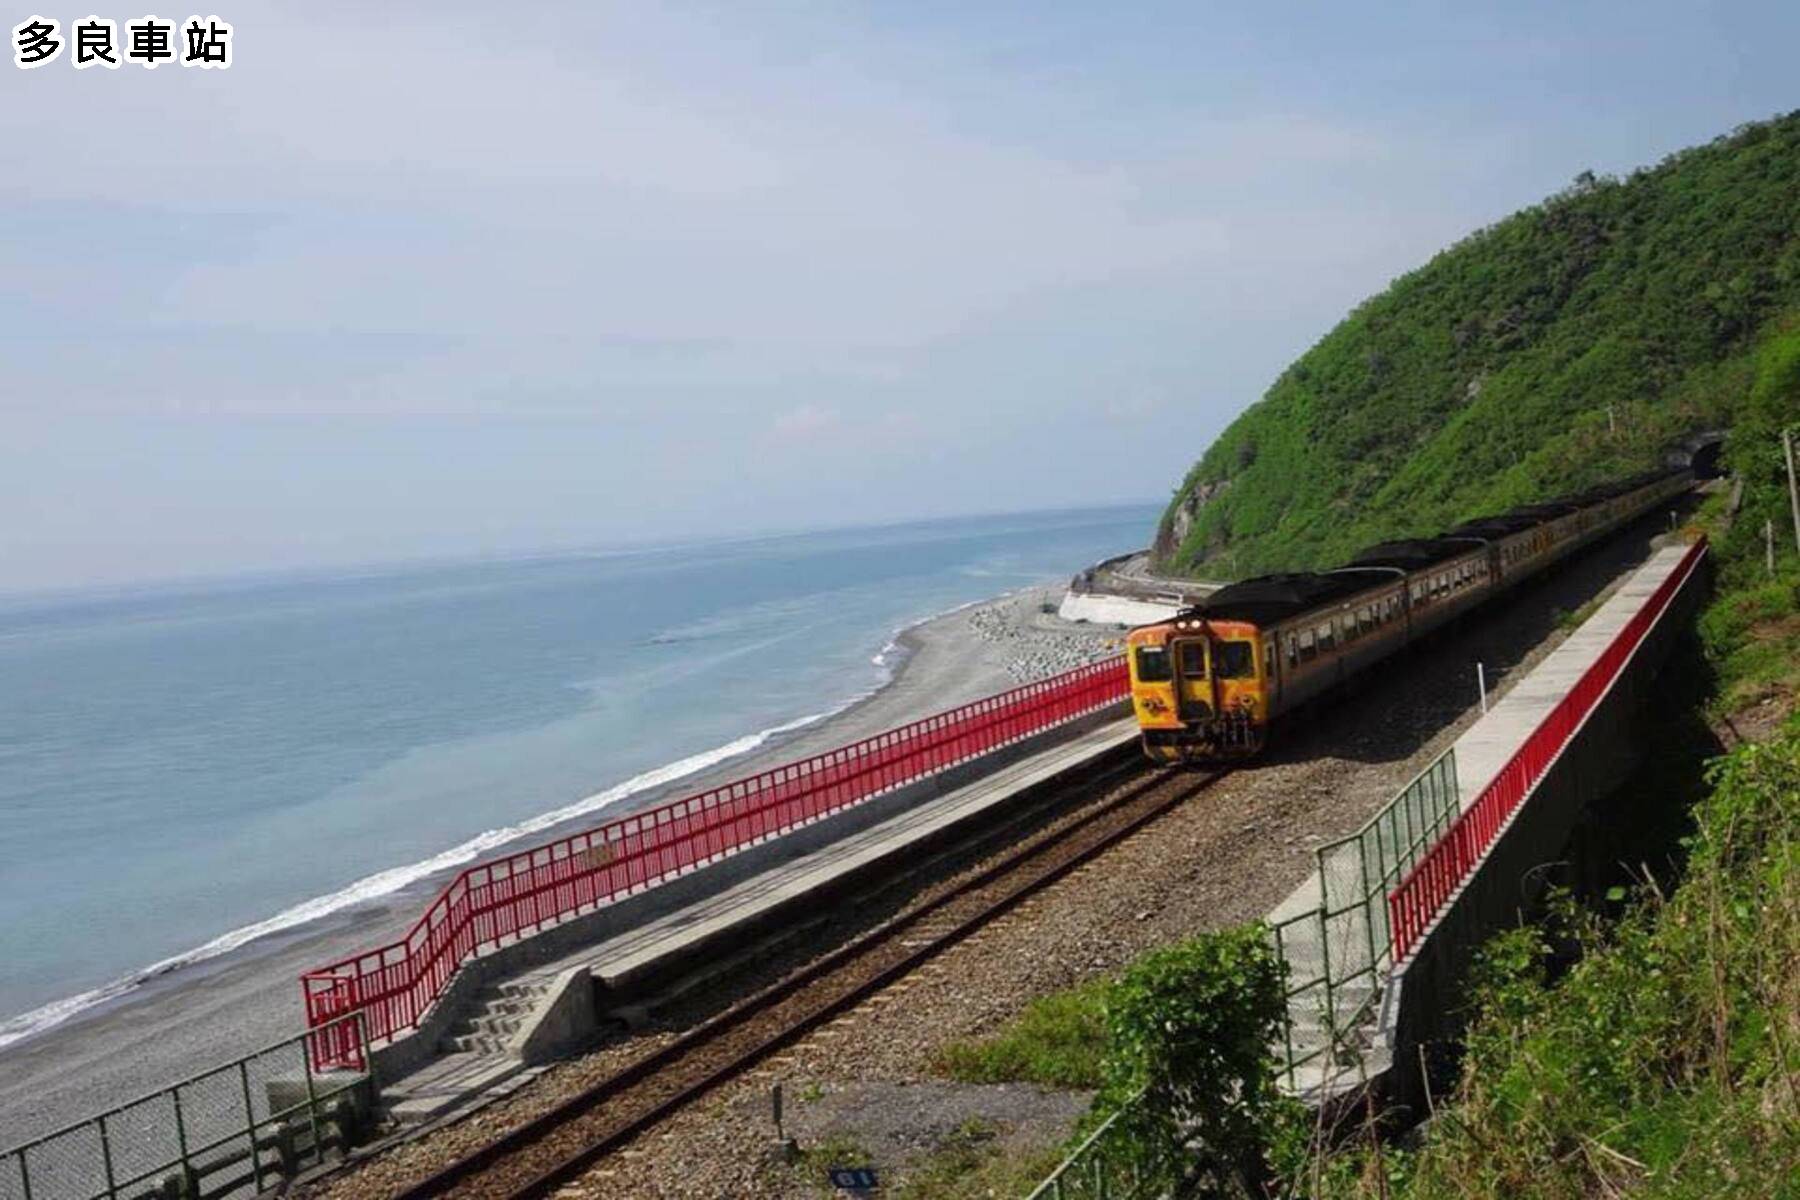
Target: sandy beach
208, 1013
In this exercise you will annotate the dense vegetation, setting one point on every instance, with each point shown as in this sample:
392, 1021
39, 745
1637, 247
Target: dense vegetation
1571, 342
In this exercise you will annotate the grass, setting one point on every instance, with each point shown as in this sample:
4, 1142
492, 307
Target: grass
837, 1149
1573, 620
1058, 1040
973, 1165
1752, 633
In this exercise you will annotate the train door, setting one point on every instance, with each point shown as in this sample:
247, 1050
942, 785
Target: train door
1193, 681
1272, 673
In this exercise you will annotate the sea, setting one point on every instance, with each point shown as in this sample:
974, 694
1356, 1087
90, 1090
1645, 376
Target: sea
185, 768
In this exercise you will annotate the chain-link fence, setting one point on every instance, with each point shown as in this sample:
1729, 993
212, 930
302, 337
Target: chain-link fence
1108, 1165
232, 1131
1337, 952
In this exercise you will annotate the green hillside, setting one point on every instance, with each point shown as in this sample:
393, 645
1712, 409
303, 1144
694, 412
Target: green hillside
1571, 342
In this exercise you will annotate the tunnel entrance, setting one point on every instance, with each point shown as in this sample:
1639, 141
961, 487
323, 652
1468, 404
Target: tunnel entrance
1700, 452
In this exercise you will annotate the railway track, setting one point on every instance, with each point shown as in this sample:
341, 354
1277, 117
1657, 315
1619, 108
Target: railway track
559, 1145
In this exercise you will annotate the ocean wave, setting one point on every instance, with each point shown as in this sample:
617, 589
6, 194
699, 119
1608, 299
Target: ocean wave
384, 883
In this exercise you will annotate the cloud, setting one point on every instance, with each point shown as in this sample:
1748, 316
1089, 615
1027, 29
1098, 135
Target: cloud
477, 219
442, 270
806, 422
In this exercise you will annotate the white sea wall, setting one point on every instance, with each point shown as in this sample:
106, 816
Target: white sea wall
1113, 610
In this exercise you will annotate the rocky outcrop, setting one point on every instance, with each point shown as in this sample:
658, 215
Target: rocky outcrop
1174, 529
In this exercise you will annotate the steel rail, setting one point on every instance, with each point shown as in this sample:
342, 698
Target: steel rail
512, 1153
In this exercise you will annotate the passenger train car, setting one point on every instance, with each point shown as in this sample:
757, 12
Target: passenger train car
1206, 683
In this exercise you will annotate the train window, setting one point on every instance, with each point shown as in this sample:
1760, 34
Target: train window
1327, 638
1193, 659
1307, 649
1293, 649
1153, 664
1234, 660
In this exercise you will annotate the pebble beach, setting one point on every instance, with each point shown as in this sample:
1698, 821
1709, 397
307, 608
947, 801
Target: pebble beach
214, 1011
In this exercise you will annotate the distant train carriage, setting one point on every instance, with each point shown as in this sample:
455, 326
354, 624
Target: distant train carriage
1206, 683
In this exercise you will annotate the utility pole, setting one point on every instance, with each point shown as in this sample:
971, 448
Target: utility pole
1612, 426
1787, 446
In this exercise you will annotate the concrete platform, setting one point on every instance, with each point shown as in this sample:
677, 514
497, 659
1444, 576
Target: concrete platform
556, 1006
1490, 743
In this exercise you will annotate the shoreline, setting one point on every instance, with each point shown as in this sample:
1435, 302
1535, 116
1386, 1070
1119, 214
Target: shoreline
182, 1016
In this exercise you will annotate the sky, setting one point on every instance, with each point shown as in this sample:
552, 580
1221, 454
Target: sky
414, 280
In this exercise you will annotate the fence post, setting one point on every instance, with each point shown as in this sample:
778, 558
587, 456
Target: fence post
188, 1179
312, 1108
367, 1062
1330, 1013
1287, 1024
106, 1157
250, 1122
1381, 864
1362, 862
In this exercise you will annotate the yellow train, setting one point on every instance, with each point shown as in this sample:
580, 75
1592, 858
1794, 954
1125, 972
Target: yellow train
1206, 683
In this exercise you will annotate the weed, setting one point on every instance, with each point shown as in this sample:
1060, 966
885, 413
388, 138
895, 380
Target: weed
1058, 1040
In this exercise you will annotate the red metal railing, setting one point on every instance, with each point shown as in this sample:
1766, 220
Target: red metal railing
1418, 898
494, 902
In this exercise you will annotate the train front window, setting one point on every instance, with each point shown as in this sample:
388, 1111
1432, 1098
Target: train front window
1153, 664
1193, 660
1234, 660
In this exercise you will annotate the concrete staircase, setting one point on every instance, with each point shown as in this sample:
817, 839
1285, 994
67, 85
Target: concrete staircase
494, 1022
478, 1059
1312, 1039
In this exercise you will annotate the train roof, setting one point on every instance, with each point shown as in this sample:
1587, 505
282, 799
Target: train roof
1494, 528
1272, 597
1410, 554
1275, 597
